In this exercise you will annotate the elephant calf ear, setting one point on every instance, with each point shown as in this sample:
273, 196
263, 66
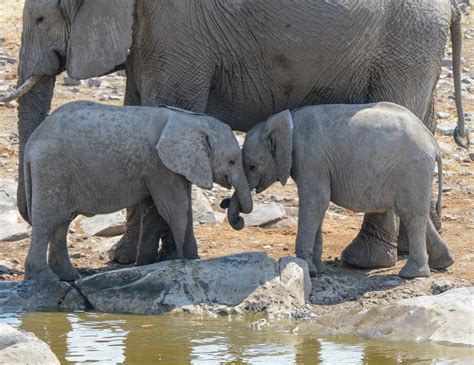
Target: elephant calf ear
184, 148
100, 37
279, 134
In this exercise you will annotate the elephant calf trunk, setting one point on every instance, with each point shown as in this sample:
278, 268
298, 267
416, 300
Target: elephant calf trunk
233, 212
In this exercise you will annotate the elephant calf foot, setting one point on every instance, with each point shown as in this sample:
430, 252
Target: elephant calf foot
125, 251
66, 272
319, 264
366, 252
43, 275
413, 269
439, 261
313, 270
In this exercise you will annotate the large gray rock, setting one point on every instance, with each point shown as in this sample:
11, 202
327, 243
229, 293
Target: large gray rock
106, 225
12, 226
264, 214
7, 195
247, 282
18, 347
202, 209
446, 317
32, 295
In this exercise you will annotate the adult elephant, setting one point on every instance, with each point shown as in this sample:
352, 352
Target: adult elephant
242, 60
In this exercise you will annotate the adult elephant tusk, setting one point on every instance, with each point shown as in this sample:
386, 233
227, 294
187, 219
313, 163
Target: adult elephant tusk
22, 90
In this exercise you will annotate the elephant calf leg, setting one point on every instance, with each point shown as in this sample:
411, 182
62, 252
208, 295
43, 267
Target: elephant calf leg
375, 245
417, 263
402, 240
36, 265
58, 257
125, 251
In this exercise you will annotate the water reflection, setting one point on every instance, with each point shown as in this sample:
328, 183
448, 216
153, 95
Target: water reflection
116, 339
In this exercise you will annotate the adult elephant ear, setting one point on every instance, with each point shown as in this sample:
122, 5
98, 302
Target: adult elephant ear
185, 147
278, 134
100, 35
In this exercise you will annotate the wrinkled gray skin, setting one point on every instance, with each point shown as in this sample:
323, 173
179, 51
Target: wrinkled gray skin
387, 166
242, 61
108, 158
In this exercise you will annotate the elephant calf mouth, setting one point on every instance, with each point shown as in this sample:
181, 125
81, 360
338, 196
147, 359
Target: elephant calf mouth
61, 62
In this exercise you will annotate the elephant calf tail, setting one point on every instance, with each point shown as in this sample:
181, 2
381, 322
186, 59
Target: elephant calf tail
28, 188
456, 40
439, 160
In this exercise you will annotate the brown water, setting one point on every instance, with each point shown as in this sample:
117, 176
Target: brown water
100, 338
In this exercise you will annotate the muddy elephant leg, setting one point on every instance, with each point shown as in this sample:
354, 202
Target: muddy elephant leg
318, 251
375, 245
152, 225
58, 256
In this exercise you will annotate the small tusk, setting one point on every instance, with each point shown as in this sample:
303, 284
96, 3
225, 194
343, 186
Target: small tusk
22, 90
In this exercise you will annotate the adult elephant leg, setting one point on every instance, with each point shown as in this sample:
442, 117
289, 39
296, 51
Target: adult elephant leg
376, 243
151, 223
33, 108
125, 251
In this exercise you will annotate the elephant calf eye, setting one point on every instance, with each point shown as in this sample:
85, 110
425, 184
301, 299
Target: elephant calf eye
252, 167
231, 162
39, 20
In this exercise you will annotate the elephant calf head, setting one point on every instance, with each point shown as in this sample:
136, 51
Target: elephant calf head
267, 157
204, 150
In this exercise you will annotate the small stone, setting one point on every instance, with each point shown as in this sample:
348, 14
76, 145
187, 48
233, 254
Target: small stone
440, 286
391, 283
77, 255
448, 62
7, 59
446, 129
9, 104
443, 115
94, 82
114, 97
68, 81
75, 90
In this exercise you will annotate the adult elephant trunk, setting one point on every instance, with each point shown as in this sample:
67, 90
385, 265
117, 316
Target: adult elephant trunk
33, 107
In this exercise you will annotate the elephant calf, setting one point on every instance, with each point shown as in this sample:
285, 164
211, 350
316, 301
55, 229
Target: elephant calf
367, 158
88, 158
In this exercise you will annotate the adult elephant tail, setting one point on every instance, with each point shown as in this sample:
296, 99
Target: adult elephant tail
456, 40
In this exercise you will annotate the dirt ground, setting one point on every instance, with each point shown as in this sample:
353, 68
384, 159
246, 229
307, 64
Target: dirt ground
340, 226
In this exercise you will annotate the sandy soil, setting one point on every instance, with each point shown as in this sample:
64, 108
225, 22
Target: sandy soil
352, 286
